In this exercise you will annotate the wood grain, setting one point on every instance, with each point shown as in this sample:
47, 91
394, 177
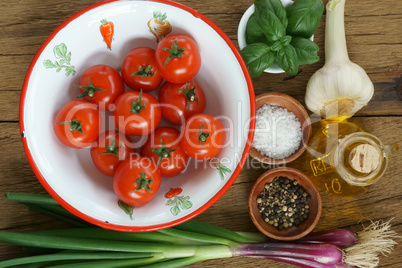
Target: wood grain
374, 37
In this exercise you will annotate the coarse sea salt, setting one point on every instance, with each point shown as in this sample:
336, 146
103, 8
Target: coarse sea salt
277, 132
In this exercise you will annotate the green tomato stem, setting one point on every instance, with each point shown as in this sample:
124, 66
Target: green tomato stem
90, 90
175, 51
112, 149
190, 94
163, 152
75, 125
202, 136
136, 106
143, 183
144, 71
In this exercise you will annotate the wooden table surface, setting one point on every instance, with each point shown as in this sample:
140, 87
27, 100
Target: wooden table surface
374, 37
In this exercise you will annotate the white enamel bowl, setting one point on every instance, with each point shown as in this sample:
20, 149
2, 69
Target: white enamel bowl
69, 175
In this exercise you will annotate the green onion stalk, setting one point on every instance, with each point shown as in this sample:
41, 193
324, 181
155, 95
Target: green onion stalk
185, 244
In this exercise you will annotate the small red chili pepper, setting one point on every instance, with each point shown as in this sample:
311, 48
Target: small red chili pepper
173, 192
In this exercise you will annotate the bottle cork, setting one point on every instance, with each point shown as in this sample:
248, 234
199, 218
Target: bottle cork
364, 158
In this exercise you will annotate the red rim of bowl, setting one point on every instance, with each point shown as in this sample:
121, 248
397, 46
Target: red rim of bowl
123, 228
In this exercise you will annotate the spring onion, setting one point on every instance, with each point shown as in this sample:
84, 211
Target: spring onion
74, 255
193, 242
104, 234
339, 237
322, 253
45, 204
309, 263
136, 262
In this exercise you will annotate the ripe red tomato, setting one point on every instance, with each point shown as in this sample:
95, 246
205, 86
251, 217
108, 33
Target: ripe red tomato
164, 149
203, 136
179, 101
139, 69
137, 113
178, 58
102, 85
136, 181
111, 148
78, 124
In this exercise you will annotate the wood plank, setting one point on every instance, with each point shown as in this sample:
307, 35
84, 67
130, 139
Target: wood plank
366, 34
9, 105
18, 66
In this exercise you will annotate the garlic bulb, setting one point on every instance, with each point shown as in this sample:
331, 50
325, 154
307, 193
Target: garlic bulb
340, 88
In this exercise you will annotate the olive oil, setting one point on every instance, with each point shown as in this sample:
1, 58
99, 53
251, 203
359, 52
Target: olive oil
343, 159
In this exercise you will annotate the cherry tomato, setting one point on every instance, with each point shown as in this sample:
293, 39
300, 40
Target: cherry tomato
203, 136
178, 58
137, 113
179, 101
111, 148
163, 147
78, 124
102, 85
139, 69
136, 181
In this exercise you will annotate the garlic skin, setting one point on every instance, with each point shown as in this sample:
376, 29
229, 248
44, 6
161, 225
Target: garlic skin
340, 88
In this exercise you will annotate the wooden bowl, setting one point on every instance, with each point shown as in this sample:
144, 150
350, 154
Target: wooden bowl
292, 105
294, 232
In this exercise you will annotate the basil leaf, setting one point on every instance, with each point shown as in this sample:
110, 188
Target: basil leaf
254, 32
285, 40
306, 50
303, 17
258, 57
270, 24
287, 59
276, 7
276, 46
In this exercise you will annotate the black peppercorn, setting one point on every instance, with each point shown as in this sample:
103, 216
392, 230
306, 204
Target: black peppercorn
284, 203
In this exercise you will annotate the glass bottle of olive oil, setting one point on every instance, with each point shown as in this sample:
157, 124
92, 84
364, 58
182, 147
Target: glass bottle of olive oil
343, 159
